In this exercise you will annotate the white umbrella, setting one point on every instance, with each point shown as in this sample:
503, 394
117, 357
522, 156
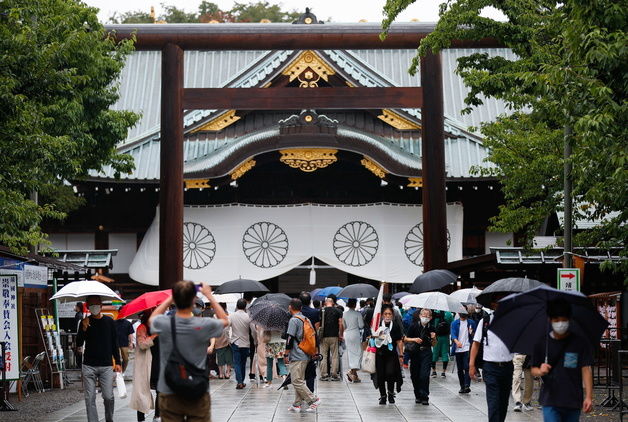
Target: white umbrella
434, 300
79, 290
463, 295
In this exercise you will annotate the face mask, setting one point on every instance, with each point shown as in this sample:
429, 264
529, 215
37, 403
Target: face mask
560, 327
425, 320
196, 311
387, 320
95, 309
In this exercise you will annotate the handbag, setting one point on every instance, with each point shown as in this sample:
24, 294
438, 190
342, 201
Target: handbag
368, 358
184, 378
411, 347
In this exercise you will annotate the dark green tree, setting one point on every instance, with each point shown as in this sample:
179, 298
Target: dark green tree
57, 83
135, 16
172, 14
570, 71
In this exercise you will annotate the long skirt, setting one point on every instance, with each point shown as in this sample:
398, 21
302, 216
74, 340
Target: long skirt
354, 348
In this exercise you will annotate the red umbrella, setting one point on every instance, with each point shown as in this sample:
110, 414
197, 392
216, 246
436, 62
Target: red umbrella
146, 301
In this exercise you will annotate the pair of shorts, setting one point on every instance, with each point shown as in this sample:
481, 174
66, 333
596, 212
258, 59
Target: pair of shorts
224, 356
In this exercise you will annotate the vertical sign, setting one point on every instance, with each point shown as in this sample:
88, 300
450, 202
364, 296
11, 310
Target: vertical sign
9, 321
568, 279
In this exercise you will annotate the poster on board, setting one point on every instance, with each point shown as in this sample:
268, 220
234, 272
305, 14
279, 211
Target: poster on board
9, 321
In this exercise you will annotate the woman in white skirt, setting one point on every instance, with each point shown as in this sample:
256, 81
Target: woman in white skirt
353, 323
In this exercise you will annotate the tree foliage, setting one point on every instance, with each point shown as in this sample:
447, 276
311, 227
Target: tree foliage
208, 12
570, 70
57, 70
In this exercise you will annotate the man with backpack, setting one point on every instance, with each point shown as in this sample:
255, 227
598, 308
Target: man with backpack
300, 346
442, 321
183, 378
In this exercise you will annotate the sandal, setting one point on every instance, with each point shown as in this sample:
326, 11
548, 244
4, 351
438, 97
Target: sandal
349, 377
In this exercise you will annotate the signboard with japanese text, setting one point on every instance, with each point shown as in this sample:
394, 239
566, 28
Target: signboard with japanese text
9, 321
568, 279
35, 276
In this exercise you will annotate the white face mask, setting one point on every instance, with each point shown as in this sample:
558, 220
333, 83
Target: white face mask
560, 327
425, 320
387, 320
95, 309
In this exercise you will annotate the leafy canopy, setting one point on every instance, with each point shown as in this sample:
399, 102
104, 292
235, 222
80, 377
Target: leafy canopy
570, 71
57, 73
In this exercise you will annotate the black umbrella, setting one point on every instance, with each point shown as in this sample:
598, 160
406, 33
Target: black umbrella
506, 286
432, 280
358, 290
281, 299
521, 320
241, 285
269, 315
399, 295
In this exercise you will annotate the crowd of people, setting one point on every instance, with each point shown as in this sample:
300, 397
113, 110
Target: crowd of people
184, 341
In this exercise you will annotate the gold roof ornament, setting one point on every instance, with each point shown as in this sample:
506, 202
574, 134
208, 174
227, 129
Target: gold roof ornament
219, 123
415, 182
308, 67
308, 159
373, 167
197, 183
241, 169
397, 121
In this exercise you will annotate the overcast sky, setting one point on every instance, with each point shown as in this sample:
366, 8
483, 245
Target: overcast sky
337, 10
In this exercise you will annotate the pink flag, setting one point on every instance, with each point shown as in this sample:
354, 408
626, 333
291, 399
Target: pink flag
377, 311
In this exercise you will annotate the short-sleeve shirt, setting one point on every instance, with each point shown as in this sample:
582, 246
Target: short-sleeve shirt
295, 329
562, 387
193, 336
463, 337
329, 319
123, 329
240, 329
494, 348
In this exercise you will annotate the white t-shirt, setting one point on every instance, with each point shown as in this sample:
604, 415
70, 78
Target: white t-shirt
494, 348
463, 337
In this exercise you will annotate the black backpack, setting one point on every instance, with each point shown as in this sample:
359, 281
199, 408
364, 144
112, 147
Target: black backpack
479, 359
442, 329
185, 379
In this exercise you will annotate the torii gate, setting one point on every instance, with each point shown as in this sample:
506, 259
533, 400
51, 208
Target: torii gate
172, 39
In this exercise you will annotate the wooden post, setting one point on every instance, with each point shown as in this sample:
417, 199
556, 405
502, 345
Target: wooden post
433, 164
171, 170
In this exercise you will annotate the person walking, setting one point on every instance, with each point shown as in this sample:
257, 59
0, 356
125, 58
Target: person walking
462, 331
389, 345
124, 331
261, 337
224, 355
521, 365
442, 321
193, 336
353, 325
275, 350
141, 397
297, 359
240, 324
564, 359
331, 332
98, 333
497, 369
419, 341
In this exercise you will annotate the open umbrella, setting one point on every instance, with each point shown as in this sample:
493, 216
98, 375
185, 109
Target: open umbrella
432, 280
323, 293
143, 302
506, 286
521, 320
241, 285
281, 299
80, 290
269, 315
358, 290
465, 295
433, 300
399, 295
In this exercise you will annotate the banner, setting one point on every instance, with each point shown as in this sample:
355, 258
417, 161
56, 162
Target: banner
376, 241
9, 321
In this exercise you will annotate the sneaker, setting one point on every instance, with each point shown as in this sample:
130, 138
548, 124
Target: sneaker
467, 389
462, 390
527, 407
442, 374
434, 375
382, 400
425, 402
312, 407
517, 407
324, 378
294, 408
335, 378
391, 398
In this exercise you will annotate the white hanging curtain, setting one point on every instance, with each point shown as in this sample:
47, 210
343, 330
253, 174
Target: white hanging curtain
376, 241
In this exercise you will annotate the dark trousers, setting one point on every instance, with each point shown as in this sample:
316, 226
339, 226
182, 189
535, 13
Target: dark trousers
420, 373
382, 387
498, 381
462, 363
239, 362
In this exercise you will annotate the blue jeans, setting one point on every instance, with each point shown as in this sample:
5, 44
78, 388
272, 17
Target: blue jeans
560, 414
498, 381
462, 363
420, 373
239, 362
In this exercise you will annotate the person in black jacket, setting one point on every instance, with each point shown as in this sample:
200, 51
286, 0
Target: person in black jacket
422, 333
388, 340
98, 332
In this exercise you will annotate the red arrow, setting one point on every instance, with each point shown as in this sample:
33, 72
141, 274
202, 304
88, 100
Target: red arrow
567, 275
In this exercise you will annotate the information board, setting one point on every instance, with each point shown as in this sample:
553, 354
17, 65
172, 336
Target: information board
9, 321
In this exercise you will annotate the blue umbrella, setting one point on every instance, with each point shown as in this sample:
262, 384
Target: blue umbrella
323, 293
315, 292
521, 320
